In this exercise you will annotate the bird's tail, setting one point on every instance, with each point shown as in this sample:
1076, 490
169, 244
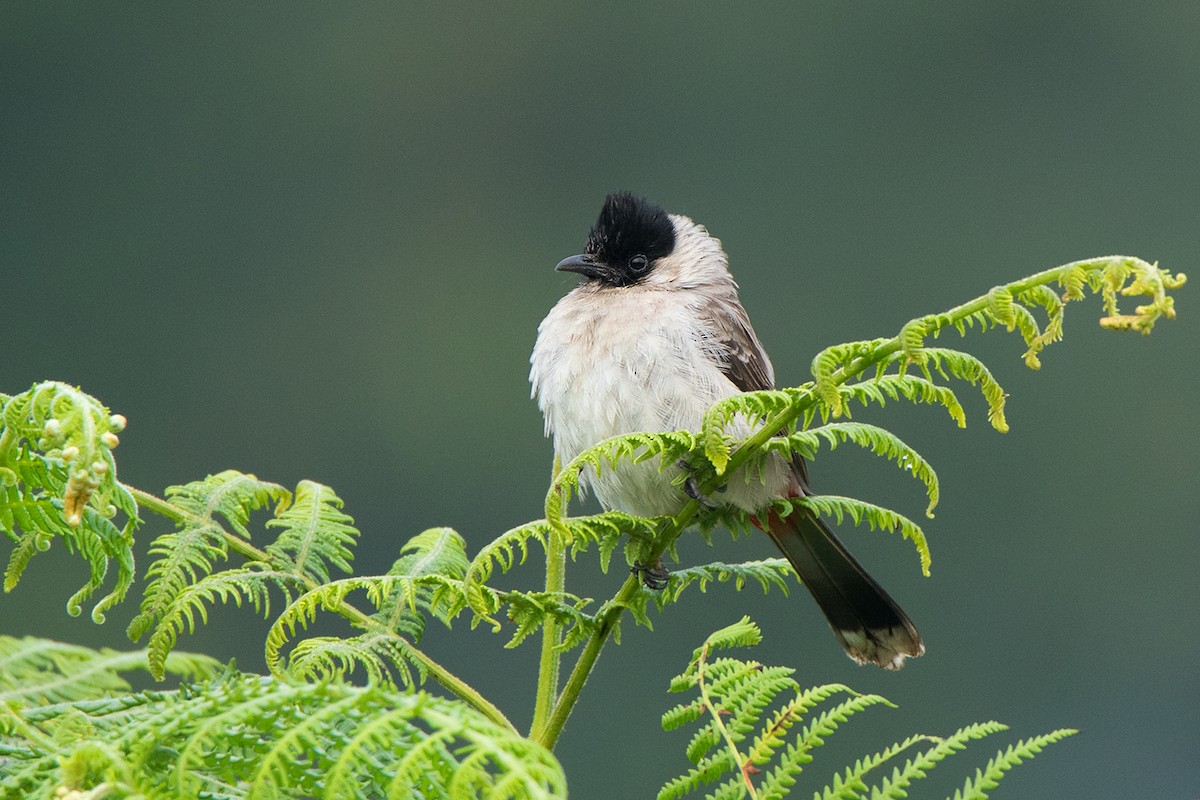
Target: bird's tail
868, 623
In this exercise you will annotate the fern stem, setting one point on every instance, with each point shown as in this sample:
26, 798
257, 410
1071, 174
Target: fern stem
165, 508
550, 662
742, 762
548, 735
451, 682
936, 322
6, 439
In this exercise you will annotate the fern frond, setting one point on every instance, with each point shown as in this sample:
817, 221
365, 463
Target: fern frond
503, 551
37, 671
395, 596
530, 611
32, 487
76, 432
401, 602
913, 388
188, 555
859, 511
426, 579
608, 529
749, 409
695, 779
793, 758
767, 573
989, 777
422, 579
437, 553
231, 495
371, 743
669, 447
385, 658
304, 736
315, 533
743, 633
779, 724
747, 752
1037, 340
839, 358
1131, 277
916, 768
246, 737
250, 584
878, 440
851, 784
605, 530
967, 367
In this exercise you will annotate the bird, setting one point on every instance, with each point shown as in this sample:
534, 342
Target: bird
654, 335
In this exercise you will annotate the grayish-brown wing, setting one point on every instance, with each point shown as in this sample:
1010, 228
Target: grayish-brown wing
743, 359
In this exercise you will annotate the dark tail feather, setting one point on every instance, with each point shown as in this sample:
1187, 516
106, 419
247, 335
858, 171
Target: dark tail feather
868, 623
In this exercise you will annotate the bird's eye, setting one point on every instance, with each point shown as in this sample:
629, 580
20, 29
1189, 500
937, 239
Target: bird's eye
639, 264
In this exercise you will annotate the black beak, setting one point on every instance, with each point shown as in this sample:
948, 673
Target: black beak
584, 264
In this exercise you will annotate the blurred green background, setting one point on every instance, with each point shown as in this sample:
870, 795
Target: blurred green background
315, 241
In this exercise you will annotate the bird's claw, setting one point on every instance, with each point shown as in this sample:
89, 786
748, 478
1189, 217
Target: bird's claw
691, 488
653, 577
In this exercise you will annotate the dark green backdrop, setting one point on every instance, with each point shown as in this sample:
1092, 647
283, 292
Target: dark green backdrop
315, 240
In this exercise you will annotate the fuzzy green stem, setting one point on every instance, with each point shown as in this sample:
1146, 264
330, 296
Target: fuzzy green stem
551, 660
549, 665
549, 734
455, 685
741, 761
7, 435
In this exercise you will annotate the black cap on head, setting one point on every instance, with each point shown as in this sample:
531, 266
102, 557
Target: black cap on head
630, 226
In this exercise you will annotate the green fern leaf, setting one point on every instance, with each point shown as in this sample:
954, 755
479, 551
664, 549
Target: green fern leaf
530, 611
777, 781
916, 768
742, 751
29, 544
503, 551
229, 494
250, 584
859, 511
747, 410
607, 530
315, 534
378, 653
669, 448
967, 367
878, 440
324, 656
767, 573
31, 515
244, 737
189, 554
909, 387
426, 579
75, 432
989, 777
851, 784
778, 725
438, 553
36, 671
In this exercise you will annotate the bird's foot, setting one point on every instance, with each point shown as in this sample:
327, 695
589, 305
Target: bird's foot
691, 487
654, 576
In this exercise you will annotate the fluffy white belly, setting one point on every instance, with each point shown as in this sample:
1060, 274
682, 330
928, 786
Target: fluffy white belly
601, 369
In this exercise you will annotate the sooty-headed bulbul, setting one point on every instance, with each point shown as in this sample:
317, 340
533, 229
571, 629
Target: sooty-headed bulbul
653, 336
